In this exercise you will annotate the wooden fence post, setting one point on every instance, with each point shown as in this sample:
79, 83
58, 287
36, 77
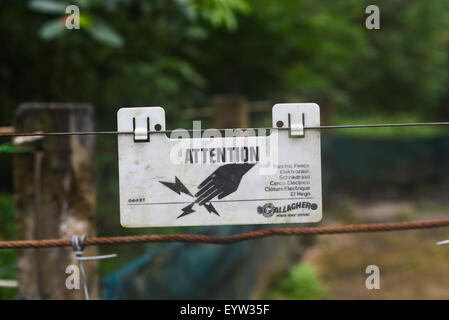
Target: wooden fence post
54, 194
230, 111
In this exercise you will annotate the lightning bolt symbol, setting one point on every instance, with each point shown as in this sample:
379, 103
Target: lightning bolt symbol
187, 210
177, 187
211, 208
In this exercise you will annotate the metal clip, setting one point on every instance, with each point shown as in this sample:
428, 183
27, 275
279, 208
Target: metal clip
78, 247
17, 141
296, 125
141, 128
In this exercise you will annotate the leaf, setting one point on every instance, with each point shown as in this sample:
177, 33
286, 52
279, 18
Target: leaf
8, 147
85, 20
220, 12
102, 32
52, 29
48, 6
196, 32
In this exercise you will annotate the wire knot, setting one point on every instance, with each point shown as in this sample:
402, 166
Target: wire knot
78, 245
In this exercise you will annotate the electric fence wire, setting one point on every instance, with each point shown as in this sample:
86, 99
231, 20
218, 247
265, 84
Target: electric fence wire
191, 238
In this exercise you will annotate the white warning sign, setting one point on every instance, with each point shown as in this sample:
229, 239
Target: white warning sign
215, 177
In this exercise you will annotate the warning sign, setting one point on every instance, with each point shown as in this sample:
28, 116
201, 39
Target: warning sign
211, 177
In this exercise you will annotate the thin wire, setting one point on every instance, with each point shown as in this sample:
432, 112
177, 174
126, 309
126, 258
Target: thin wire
238, 237
84, 276
106, 256
78, 248
197, 238
78, 245
385, 125
440, 243
353, 126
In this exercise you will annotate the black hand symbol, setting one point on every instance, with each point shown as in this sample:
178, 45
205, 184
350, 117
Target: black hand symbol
222, 182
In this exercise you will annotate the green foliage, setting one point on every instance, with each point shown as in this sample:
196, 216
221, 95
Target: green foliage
8, 147
52, 29
219, 12
177, 53
102, 32
301, 283
96, 28
127, 52
6, 217
406, 70
8, 258
321, 48
48, 6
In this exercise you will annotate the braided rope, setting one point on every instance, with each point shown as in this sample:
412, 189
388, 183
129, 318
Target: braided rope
190, 238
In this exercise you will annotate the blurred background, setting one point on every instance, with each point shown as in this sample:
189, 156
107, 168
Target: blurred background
205, 59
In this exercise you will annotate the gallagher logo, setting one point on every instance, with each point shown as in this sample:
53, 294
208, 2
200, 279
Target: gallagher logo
268, 209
